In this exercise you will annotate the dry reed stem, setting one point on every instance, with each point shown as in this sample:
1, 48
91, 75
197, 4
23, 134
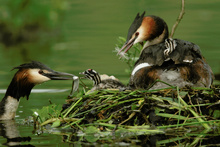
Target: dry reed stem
178, 19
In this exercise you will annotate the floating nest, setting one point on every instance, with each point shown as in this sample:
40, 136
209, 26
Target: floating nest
110, 115
169, 106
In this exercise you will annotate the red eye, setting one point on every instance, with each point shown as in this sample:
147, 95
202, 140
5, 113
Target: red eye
40, 72
137, 33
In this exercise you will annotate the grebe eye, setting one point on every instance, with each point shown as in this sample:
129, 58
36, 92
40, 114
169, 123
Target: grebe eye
40, 72
137, 33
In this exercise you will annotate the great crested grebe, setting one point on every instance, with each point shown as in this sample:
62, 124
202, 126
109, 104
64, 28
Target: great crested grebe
27, 76
102, 81
181, 65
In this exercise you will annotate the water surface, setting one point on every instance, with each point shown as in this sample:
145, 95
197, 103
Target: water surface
85, 37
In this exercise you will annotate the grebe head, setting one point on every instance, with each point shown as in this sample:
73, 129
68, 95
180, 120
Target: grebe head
31, 74
92, 75
151, 28
27, 76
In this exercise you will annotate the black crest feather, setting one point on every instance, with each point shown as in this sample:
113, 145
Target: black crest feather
135, 25
32, 65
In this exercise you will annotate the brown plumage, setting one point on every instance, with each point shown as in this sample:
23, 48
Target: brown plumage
174, 61
27, 76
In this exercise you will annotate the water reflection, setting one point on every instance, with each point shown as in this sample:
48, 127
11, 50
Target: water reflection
152, 140
42, 90
9, 131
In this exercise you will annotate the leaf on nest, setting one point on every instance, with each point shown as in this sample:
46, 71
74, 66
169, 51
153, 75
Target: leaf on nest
46, 112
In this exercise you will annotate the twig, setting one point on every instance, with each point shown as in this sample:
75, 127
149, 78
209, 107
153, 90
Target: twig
178, 19
61, 119
190, 101
132, 114
199, 119
188, 124
71, 108
157, 80
199, 106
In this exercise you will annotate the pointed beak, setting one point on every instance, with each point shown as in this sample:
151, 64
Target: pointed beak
55, 75
126, 47
84, 75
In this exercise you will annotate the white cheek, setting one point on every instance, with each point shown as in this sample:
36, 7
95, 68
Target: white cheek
137, 40
140, 37
37, 78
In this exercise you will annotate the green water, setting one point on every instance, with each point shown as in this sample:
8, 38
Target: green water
85, 35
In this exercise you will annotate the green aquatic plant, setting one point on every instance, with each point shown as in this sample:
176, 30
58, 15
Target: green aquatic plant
130, 57
47, 112
171, 106
100, 115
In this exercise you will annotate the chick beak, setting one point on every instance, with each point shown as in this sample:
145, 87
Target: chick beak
84, 76
82, 73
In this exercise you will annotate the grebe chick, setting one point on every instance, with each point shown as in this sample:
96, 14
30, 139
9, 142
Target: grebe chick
102, 81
